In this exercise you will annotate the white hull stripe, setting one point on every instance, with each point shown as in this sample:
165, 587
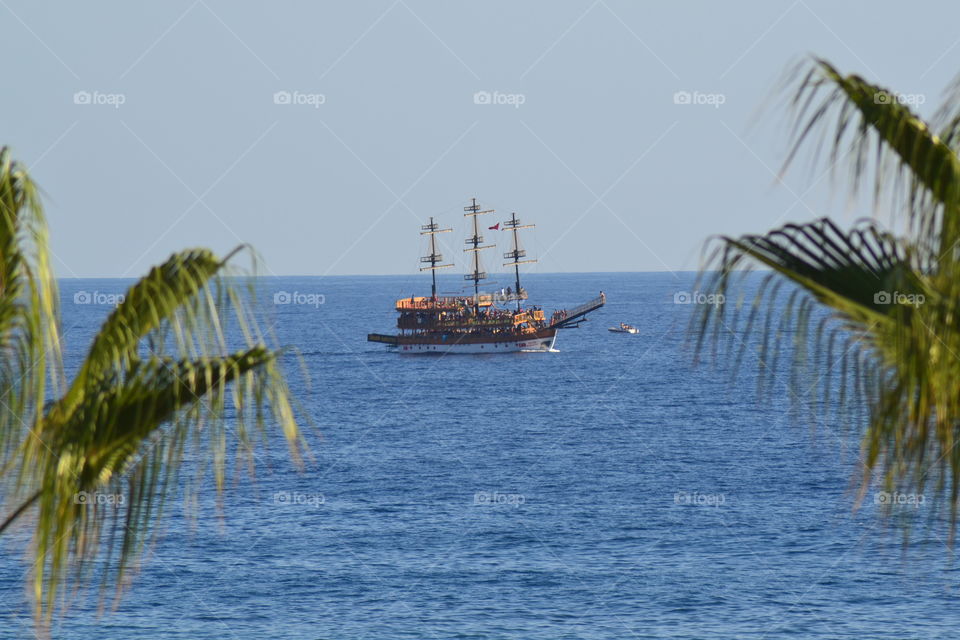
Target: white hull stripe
534, 344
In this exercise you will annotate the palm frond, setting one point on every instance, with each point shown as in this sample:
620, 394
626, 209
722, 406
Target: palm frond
29, 339
167, 295
908, 156
160, 379
126, 440
153, 384
852, 273
877, 312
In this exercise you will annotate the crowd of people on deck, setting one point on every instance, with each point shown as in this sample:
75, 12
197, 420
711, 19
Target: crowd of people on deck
464, 317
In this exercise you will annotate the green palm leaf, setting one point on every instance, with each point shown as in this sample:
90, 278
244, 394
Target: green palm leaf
29, 342
159, 379
909, 156
126, 439
878, 311
843, 270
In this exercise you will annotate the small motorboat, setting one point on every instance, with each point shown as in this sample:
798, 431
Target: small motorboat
624, 328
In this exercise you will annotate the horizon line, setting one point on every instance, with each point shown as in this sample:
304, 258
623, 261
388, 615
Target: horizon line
392, 275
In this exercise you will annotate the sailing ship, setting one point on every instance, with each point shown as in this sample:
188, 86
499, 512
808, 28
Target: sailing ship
483, 322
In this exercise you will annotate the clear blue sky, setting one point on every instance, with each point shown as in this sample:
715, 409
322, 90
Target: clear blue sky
616, 174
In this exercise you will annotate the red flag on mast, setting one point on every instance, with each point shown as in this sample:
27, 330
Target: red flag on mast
495, 227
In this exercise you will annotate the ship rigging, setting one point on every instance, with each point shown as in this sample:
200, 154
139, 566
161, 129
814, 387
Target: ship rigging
434, 257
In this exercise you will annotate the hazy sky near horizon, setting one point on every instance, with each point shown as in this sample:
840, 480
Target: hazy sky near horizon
326, 133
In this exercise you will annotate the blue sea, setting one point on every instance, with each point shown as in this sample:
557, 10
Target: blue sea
608, 490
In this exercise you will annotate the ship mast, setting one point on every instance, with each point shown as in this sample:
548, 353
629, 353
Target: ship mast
476, 247
433, 258
514, 256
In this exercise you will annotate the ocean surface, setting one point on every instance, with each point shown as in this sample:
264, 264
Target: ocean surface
608, 490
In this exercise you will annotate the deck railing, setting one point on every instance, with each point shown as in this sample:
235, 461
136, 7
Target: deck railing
452, 302
572, 315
